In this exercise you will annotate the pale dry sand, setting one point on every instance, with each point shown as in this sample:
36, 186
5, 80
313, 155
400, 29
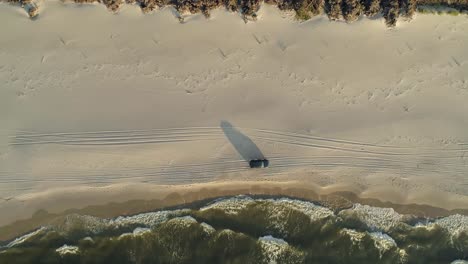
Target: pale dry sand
98, 107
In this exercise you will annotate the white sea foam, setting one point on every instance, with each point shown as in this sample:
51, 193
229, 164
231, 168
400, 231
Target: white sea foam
272, 240
92, 224
356, 236
383, 242
403, 255
207, 228
65, 249
150, 219
454, 223
378, 219
312, 210
381, 219
272, 247
90, 239
95, 225
136, 232
227, 232
25, 238
230, 206
183, 221
281, 208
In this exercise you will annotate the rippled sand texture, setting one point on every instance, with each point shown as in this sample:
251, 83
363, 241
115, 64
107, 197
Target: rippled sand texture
133, 98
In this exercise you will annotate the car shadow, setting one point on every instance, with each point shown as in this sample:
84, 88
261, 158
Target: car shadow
243, 144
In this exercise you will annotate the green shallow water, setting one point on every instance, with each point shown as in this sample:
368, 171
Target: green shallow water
247, 230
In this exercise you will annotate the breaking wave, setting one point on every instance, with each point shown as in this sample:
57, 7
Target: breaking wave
244, 229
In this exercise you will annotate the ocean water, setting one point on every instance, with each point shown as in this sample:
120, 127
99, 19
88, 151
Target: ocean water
244, 230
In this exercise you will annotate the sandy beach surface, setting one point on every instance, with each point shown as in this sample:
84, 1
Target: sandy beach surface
97, 107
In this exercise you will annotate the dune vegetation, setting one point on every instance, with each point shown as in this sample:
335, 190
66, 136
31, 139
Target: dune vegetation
347, 10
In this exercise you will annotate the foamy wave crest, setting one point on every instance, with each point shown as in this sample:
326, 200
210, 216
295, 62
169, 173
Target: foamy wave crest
258, 230
378, 219
26, 237
66, 249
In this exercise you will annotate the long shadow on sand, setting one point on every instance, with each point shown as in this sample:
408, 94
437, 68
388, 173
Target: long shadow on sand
243, 144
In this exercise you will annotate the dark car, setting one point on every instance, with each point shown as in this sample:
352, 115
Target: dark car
259, 163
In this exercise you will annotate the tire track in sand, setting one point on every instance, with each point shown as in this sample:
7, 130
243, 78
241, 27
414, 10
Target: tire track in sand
371, 157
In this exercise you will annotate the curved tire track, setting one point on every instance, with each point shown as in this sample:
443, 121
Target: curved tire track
370, 157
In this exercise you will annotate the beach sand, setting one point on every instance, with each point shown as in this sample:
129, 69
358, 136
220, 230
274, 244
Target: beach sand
97, 107
131, 199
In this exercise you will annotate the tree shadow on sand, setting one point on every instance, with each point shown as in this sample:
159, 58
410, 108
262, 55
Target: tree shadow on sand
243, 144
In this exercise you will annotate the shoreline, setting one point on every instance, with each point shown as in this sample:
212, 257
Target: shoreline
339, 127
189, 196
291, 223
